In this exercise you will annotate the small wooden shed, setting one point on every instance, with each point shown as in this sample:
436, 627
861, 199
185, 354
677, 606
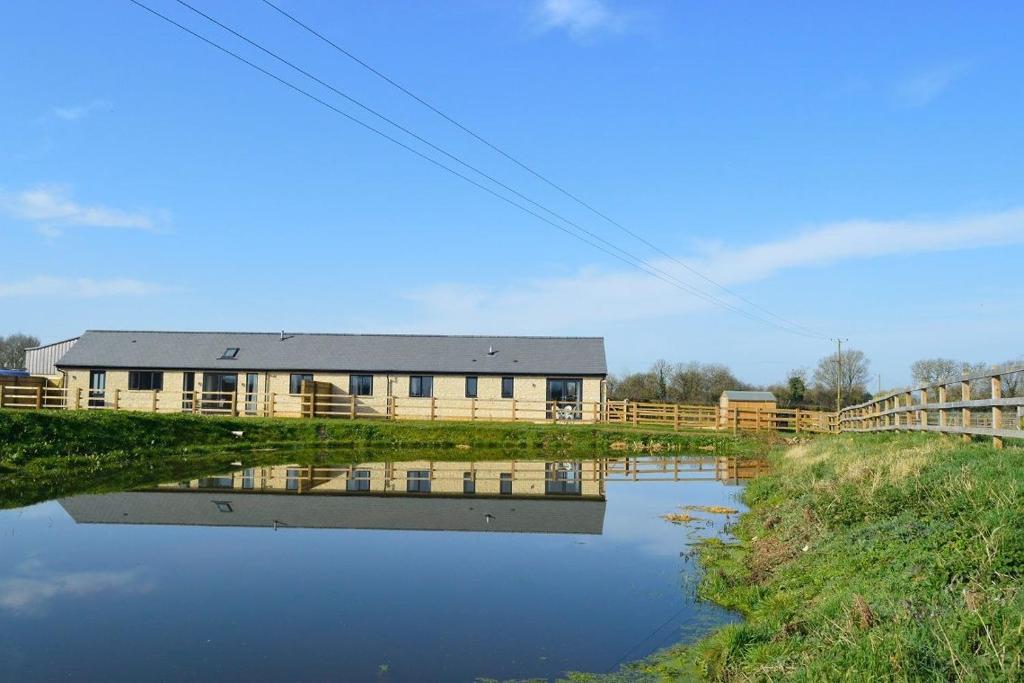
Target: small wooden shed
749, 402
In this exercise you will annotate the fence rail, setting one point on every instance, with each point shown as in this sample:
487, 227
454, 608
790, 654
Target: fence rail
315, 401
996, 416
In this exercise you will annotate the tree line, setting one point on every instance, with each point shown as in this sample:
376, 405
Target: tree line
703, 383
12, 350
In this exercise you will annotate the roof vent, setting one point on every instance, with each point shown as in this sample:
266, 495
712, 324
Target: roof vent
491, 351
282, 335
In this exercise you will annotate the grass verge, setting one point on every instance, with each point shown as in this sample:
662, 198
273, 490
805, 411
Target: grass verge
870, 557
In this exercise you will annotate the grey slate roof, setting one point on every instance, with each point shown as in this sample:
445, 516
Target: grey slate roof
318, 511
338, 352
749, 395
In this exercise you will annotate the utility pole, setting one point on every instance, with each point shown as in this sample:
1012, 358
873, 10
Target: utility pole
839, 373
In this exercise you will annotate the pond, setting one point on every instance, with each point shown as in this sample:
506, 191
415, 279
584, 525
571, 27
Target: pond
383, 571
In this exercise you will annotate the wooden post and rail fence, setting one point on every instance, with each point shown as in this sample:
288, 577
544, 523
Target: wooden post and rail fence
321, 400
948, 407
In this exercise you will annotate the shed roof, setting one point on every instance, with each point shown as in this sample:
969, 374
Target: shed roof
749, 395
338, 352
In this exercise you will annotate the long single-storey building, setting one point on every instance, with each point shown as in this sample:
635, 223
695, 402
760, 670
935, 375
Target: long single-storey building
425, 376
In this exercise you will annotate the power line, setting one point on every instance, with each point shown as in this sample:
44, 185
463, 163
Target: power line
629, 259
529, 169
665, 275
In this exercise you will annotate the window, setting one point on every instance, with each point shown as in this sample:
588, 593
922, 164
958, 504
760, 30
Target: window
360, 385
230, 353
291, 478
421, 386
248, 478
507, 387
563, 478
506, 484
359, 481
468, 482
145, 381
417, 481
296, 380
223, 506
471, 387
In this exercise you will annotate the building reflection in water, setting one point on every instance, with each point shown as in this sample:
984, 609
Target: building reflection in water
531, 496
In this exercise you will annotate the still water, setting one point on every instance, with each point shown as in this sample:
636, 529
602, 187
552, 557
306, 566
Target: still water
399, 571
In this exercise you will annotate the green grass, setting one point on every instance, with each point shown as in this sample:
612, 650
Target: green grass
870, 557
44, 454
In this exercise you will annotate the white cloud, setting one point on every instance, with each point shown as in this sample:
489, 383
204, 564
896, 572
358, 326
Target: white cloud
75, 112
31, 594
594, 297
78, 288
580, 18
921, 88
51, 210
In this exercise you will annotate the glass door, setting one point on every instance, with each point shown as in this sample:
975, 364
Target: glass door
251, 383
188, 387
97, 388
218, 388
565, 398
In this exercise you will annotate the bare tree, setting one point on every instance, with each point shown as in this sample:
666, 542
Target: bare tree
12, 349
848, 372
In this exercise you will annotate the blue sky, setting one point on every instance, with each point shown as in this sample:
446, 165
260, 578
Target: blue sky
857, 169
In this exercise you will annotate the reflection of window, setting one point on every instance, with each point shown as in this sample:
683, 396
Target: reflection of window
417, 481
223, 506
247, 478
421, 386
360, 385
506, 484
562, 478
359, 481
471, 387
296, 380
139, 380
468, 482
507, 387
291, 481
215, 482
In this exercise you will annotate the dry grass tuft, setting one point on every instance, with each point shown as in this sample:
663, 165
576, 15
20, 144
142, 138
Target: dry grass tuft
680, 518
862, 613
713, 509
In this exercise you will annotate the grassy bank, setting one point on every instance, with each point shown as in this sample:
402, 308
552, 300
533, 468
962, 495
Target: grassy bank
53, 453
871, 557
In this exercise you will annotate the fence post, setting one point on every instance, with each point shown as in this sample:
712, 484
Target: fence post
922, 415
472, 409
234, 404
997, 410
117, 399
433, 407
270, 408
78, 398
675, 417
154, 400
625, 408
796, 420
513, 410
636, 415
352, 408
943, 419
1, 395
735, 420
965, 420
